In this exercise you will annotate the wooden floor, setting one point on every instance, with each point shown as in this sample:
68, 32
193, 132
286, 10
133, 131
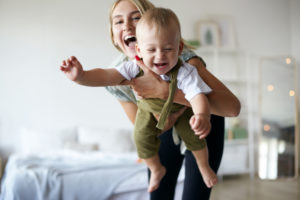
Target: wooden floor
243, 188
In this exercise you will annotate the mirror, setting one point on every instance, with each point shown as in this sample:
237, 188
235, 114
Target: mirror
277, 153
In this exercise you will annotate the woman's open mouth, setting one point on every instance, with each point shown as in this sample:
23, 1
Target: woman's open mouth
130, 41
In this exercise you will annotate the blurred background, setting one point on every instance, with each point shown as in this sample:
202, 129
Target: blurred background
36, 35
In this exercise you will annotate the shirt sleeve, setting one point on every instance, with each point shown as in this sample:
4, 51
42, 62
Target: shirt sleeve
188, 54
121, 92
190, 82
128, 69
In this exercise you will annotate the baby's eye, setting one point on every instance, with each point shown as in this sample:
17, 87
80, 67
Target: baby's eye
167, 49
151, 50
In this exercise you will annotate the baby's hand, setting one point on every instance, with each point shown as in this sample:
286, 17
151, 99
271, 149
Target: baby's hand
72, 68
200, 123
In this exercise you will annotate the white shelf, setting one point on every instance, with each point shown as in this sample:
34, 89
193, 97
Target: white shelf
231, 66
219, 50
233, 81
236, 141
234, 160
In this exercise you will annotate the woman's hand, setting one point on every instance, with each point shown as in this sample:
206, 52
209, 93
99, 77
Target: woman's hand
172, 118
150, 85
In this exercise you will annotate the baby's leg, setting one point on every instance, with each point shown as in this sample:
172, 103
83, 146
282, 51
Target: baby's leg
158, 171
198, 147
209, 176
147, 144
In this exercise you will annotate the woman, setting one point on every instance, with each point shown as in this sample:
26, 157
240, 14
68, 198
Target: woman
124, 16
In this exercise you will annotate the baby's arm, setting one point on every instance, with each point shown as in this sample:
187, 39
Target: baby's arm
200, 121
95, 77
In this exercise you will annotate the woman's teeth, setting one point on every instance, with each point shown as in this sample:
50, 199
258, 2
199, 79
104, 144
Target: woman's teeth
129, 39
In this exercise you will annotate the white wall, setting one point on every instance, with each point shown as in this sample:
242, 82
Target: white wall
263, 26
36, 35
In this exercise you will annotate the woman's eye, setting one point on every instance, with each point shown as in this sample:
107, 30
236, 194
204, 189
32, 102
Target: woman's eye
119, 22
137, 18
168, 49
151, 50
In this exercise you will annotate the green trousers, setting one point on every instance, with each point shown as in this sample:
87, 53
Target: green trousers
146, 133
147, 128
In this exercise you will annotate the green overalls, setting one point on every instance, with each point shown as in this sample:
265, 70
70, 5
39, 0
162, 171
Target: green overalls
147, 128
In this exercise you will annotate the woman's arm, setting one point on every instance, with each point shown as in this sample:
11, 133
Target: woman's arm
130, 109
222, 101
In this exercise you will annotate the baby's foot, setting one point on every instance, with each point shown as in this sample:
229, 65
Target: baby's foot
155, 178
209, 176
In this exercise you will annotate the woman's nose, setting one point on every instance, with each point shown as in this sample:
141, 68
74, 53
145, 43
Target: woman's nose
127, 25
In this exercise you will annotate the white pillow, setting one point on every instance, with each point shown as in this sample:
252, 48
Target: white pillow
44, 140
81, 147
108, 140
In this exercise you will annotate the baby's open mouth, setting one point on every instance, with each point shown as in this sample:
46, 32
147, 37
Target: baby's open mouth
130, 39
160, 64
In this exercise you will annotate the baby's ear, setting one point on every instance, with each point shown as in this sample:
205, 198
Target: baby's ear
138, 50
181, 45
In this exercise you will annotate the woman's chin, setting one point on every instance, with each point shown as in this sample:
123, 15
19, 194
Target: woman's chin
130, 51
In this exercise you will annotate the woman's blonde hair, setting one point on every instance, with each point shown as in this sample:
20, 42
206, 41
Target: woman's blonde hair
142, 6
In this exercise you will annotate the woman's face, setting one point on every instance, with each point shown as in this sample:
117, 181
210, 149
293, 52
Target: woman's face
124, 20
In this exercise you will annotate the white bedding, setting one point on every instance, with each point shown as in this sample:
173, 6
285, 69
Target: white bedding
71, 175
81, 164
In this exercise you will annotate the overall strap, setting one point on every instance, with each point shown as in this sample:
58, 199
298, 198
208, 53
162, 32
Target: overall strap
172, 89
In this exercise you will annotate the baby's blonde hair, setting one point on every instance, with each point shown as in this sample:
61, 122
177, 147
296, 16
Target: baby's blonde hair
142, 6
161, 18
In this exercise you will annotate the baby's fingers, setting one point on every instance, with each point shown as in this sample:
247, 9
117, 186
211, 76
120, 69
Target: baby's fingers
192, 122
203, 135
73, 58
197, 125
64, 63
204, 132
64, 66
69, 62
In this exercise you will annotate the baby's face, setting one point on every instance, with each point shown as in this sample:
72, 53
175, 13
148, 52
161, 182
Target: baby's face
159, 48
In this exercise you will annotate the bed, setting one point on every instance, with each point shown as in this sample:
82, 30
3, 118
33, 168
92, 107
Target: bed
79, 163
